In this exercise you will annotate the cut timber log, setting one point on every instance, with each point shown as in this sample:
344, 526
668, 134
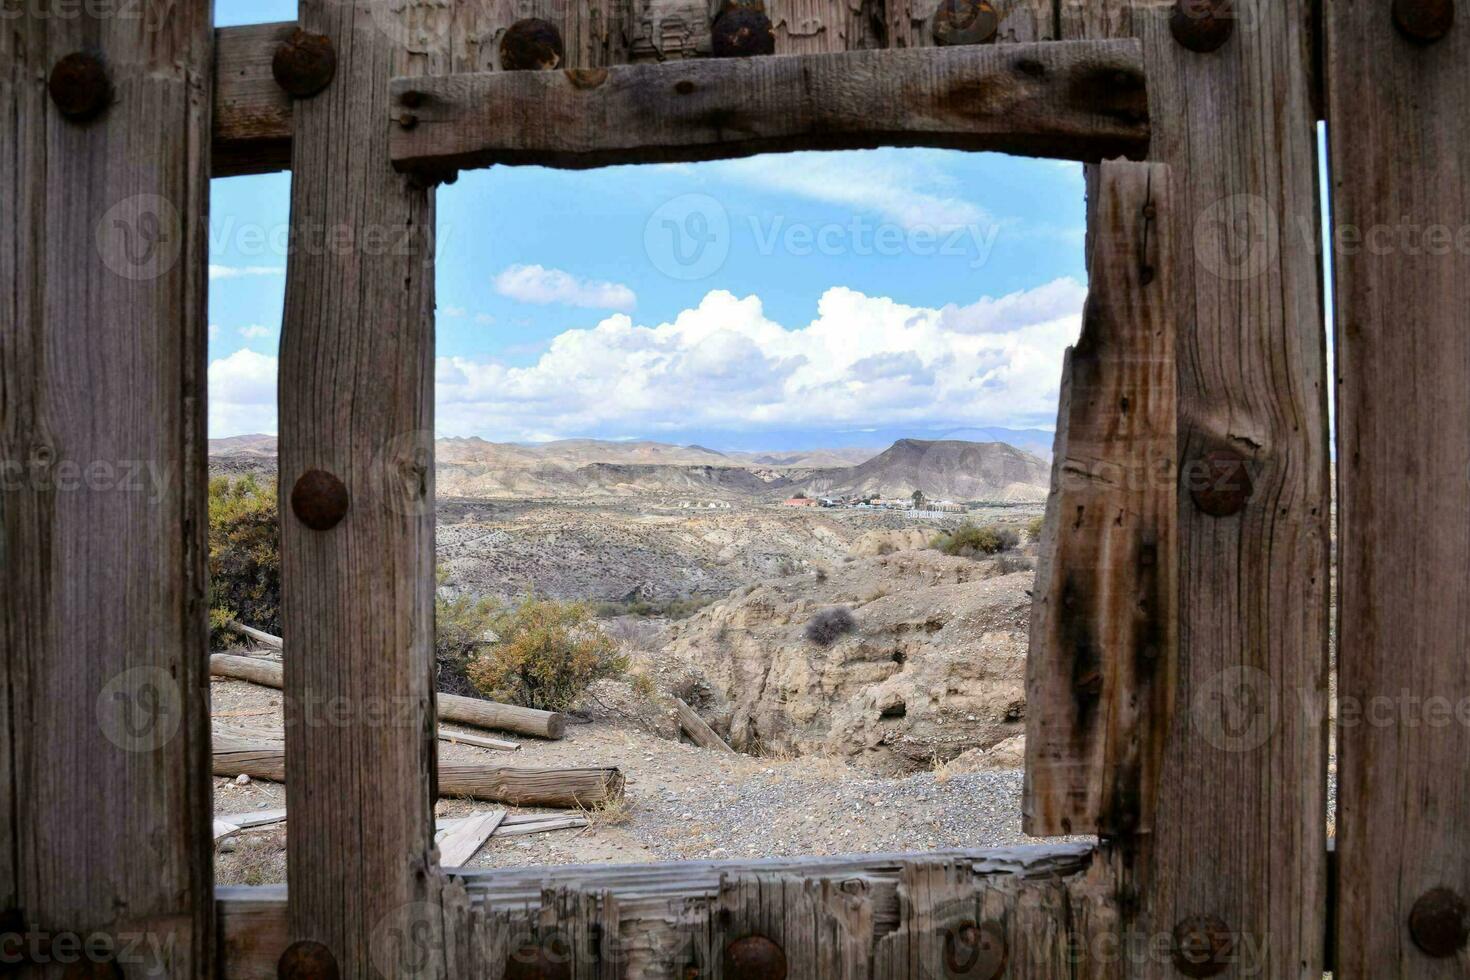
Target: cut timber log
582, 787
695, 727
452, 707
259, 636
1080, 101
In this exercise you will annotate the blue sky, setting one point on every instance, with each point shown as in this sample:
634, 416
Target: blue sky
778, 302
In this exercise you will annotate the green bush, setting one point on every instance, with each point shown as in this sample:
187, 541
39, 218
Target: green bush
463, 626
1033, 528
244, 557
545, 655
969, 540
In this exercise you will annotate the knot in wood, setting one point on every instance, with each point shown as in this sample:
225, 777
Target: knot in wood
965, 22
742, 33
531, 44
307, 959
1424, 21
1203, 946
1438, 923
1202, 26
79, 86
319, 500
304, 64
754, 958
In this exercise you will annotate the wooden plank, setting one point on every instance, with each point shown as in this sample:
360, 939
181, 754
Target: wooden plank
1056, 908
259, 636
1071, 101
104, 781
356, 402
1239, 827
451, 707
1104, 629
462, 843
1399, 139
252, 114
696, 728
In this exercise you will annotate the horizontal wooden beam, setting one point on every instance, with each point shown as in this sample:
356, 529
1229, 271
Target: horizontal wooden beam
252, 114
1082, 100
1046, 903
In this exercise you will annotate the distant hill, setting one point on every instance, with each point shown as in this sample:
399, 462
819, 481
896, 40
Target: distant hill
591, 468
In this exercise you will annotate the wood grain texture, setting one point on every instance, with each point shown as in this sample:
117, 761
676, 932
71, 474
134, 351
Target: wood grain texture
1070, 101
252, 114
356, 400
104, 769
1239, 827
1399, 141
910, 23
659, 920
1104, 628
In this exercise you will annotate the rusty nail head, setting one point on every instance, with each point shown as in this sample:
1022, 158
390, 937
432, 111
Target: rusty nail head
535, 962
975, 952
1424, 21
742, 33
531, 44
1438, 923
1203, 26
80, 87
1203, 946
304, 64
319, 500
307, 960
754, 958
1220, 483
965, 22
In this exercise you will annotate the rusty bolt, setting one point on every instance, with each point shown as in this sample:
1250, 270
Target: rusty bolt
742, 33
1203, 25
80, 87
304, 64
1220, 483
754, 958
319, 500
1424, 21
307, 959
965, 22
975, 952
1203, 945
531, 44
1438, 923
535, 962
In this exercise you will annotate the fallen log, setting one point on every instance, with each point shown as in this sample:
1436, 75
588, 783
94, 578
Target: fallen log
695, 727
566, 788
259, 636
452, 707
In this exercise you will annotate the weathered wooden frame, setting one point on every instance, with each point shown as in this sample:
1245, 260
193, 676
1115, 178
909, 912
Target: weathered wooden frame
1202, 830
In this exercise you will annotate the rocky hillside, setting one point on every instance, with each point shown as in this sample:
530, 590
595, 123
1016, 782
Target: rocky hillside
942, 469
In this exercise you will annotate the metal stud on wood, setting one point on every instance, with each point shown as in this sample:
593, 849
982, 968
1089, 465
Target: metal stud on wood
319, 500
1439, 923
531, 44
1424, 21
1203, 26
80, 87
307, 960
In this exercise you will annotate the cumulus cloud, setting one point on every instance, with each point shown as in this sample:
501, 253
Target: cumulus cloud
256, 331
862, 361
242, 394
537, 284
243, 271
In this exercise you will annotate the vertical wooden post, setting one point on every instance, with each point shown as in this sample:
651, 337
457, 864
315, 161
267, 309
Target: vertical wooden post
1235, 864
1399, 143
104, 770
357, 485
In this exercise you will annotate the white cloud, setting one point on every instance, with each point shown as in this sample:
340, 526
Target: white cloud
456, 312
256, 331
243, 271
536, 284
484, 319
863, 361
242, 394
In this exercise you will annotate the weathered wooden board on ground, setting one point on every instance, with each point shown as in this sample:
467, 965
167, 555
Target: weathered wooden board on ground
104, 771
1081, 101
1400, 145
451, 707
697, 729
661, 920
1104, 629
464, 841
1239, 824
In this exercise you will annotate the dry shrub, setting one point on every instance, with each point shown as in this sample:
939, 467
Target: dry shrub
970, 541
545, 655
829, 625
